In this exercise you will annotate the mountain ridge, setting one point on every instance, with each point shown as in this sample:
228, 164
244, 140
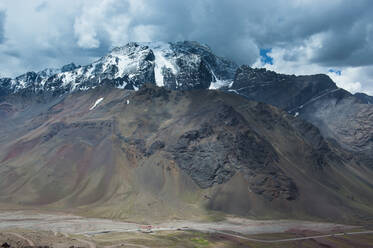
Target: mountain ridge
339, 114
190, 65
178, 65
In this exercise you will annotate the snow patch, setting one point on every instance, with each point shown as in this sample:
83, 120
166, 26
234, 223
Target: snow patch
96, 103
67, 78
128, 102
127, 60
235, 91
296, 114
122, 86
220, 83
163, 59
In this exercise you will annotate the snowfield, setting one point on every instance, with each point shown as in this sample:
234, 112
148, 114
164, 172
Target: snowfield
97, 103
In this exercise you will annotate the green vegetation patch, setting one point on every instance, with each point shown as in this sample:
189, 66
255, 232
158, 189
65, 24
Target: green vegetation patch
200, 241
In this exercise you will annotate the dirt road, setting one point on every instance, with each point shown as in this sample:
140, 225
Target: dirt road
89, 243
127, 244
29, 241
293, 239
70, 224
233, 227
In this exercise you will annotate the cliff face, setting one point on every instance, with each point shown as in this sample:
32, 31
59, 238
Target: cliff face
156, 153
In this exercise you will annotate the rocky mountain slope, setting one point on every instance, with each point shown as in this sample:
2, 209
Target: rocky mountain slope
340, 115
159, 154
364, 98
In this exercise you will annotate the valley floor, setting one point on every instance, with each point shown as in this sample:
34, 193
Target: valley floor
29, 228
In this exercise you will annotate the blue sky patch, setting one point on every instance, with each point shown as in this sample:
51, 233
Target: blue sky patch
335, 71
264, 57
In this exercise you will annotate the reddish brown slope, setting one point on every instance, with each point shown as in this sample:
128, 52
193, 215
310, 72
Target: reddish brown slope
174, 154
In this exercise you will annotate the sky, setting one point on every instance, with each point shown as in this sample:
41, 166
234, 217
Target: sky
334, 37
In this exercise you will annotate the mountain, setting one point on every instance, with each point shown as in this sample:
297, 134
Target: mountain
179, 65
157, 154
142, 134
339, 115
364, 98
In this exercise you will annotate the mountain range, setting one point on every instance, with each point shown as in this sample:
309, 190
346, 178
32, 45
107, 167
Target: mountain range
170, 130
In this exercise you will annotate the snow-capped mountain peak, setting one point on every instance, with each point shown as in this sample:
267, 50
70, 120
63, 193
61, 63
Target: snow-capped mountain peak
177, 65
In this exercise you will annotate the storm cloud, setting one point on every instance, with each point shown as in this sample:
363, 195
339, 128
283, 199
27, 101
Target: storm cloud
304, 36
2, 23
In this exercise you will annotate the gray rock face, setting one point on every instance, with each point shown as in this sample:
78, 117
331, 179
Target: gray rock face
69, 67
202, 71
212, 155
5, 86
364, 98
156, 146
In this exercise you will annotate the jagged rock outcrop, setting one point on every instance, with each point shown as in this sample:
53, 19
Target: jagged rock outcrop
213, 154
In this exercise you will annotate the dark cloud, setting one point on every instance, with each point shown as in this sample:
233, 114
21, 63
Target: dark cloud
42, 6
13, 53
350, 44
2, 24
239, 28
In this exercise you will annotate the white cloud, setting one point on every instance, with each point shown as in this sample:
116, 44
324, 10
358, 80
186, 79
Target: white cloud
355, 79
100, 18
145, 32
297, 61
346, 82
86, 33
